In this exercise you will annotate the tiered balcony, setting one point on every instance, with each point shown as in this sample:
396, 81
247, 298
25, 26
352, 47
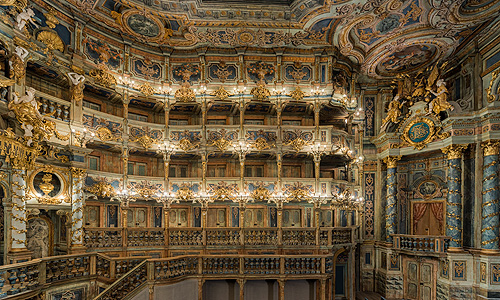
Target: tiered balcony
127, 239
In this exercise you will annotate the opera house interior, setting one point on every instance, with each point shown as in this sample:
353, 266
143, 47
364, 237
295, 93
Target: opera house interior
249, 150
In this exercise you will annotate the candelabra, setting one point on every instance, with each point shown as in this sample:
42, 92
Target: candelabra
82, 138
347, 201
279, 199
167, 199
203, 199
242, 199
124, 197
318, 199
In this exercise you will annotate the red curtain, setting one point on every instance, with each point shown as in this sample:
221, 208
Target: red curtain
437, 210
418, 212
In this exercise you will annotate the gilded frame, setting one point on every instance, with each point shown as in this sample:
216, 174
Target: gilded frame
419, 145
64, 185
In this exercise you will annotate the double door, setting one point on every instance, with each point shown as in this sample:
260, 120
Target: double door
419, 279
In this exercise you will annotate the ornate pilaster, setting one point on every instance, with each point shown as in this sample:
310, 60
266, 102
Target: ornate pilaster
454, 199
490, 207
390, 209
77, 203
19, 220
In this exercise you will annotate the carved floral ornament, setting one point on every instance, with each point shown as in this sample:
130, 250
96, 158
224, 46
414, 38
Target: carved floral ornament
102, 188
491, 147
454, 151
392, 161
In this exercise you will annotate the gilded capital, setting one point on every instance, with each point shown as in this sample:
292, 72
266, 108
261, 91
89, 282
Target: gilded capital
392, 161
490, 147
454, 151
77, 172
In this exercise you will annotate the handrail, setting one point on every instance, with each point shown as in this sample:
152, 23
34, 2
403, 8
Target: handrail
132, 277
421, 243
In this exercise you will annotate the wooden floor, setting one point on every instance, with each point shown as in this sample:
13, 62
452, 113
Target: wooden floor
367, 296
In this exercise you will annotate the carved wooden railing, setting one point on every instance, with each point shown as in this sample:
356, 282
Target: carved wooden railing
183, 237
421, 243
220, 267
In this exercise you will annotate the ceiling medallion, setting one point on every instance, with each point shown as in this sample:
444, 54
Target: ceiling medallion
144, 26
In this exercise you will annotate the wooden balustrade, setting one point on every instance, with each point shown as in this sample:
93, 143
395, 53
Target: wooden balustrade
181, 237
220, 267
126, 274
421, 243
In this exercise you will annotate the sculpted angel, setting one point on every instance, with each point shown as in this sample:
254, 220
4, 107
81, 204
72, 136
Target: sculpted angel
440, 103
393, 111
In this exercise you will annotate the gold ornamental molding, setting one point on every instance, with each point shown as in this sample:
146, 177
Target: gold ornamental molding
454, 151
78, 172
15, 151
102, 189
392, 161
491, 147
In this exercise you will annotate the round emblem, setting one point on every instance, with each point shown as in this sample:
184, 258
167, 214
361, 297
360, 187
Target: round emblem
419, 132
143, 26
47, 184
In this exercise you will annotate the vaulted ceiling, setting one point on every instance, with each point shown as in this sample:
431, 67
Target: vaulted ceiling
382, 37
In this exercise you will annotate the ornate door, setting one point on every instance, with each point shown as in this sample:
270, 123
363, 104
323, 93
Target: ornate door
325, 218
419, 279
254, 217
291, 218
137, 217
92, 216
178, 217
216, 217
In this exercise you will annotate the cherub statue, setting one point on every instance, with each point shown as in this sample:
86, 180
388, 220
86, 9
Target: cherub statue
16, 63
24, 17
32, 121
77, 86
393, 111
440, 103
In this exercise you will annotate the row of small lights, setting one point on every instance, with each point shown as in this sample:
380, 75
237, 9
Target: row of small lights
241, 90
278, 195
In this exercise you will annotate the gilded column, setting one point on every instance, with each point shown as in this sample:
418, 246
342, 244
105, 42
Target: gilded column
490, 206
391, 186
18, 220
77, 203
454, 199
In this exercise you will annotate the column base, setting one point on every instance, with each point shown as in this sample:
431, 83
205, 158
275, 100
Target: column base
455, 250
495, 252
77, 249
17, 255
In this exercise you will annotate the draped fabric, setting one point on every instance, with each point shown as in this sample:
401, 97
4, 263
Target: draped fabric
437, 210
419, 210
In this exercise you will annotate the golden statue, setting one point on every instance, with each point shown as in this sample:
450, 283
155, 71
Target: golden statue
393, 111
46, 186
440, 103
36, 127
16, 64
77, 87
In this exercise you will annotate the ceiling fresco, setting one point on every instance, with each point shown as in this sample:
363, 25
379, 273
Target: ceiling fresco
378, 38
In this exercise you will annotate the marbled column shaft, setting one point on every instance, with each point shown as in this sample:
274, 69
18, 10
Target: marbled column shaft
390, 209
490, 208
77, 210
18, 225
454, 203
